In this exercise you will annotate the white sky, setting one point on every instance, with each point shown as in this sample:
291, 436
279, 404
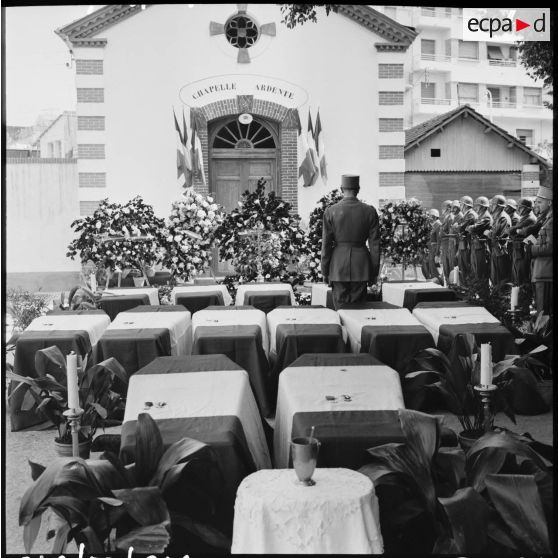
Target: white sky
37, 78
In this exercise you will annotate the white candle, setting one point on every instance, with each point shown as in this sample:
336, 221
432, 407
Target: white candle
72, 381
486, 364
93, 282
514, 298
456, 273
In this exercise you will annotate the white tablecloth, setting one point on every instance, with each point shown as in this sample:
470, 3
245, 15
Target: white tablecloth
94, 324
300, 315
304, 389
202, 289
319, 294
201, 394
232, 317
433, 318
266, 287
179, 325
338, 515
355, 320
394, 293
151, 292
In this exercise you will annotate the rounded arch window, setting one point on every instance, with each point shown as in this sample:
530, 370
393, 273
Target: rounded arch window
241, 31
235, 135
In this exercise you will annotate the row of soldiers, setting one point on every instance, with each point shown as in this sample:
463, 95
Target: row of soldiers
486, 240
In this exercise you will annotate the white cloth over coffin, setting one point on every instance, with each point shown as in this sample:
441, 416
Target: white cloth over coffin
94, 324
151, 292
433, 318
202, 289
319, 294
355, 320
266, 288
201, 394
304, 389
338, 515
179, 325
232, 317
394, 293
301, 315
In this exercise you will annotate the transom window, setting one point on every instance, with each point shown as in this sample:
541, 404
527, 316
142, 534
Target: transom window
241, 31
235, 135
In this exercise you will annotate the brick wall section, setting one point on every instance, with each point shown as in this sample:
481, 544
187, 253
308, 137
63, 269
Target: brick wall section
390, 97
391, 152
392, 179
91, 123
92, 179
88, 207
391, 124
91, 150
289, 166
90, 95
390, 71
89, 67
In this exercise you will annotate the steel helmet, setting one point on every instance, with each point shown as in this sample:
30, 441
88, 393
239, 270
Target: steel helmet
482, 201
526, 202
455, 203
499, 200
434, 213
511, 203
466, 200
446, 204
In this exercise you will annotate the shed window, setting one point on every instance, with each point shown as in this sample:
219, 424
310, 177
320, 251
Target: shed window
526, 136
435, 152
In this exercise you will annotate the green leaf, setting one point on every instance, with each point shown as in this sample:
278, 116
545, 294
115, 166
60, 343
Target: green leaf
517, 500
489, 461
467, 513
90, 540
151, 539
30, 532
149, 448
61, 535
51, 361
101, 411
36, 469
144, 504
205, 532
73, 509
450, 466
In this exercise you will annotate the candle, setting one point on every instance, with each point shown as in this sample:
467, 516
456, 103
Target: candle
514, 298
72, 381
93, 282
486, 364
456, 273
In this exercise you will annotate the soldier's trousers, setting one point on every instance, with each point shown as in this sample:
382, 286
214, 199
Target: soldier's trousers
451, 255
521, 264
544, 297
444, 258
480, 265
433, 271
500, 268
464, 263
348, 292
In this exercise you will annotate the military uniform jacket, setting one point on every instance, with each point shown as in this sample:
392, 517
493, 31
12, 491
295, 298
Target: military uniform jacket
447, 223
482, 224
469, 218
347, 226
435, 237
524, 223
499, 234
542, 252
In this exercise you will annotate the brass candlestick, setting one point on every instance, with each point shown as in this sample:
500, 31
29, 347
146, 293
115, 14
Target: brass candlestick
74, 418
486, 393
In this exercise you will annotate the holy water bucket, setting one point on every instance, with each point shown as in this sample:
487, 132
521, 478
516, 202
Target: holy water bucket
305, 454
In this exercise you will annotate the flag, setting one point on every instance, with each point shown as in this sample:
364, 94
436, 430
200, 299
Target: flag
312, 148
308, 168
320, 148
183, 162
196, 148
187, 156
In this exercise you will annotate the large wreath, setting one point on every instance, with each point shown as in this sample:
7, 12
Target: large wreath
404, 232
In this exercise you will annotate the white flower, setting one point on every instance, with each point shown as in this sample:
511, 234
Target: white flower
175, 259
169, 238
125, 210
98, 225
211, 214
209, 199
214, 207
201, 213
178, 237
198, 198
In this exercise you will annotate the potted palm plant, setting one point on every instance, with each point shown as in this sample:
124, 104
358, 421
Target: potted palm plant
101, 406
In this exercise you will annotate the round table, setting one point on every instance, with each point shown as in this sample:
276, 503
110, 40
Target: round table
275, 515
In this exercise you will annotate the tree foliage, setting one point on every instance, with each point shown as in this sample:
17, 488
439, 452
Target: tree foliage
299, 14
537, 58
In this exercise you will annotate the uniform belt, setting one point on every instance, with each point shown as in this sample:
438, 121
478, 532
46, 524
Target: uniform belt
353, 244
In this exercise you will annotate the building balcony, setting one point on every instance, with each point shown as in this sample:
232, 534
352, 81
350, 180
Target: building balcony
503, 63
434, 17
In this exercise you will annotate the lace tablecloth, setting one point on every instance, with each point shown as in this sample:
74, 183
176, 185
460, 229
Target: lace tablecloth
394, 293
201, 394
202, 289
265, 287
306, 388
179, 325
151, 292
94, 324
338, 515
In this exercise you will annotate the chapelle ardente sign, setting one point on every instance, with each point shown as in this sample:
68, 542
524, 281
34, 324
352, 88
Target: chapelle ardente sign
218, 88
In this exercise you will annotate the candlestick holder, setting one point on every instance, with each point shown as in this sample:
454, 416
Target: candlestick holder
486, 393
74, 418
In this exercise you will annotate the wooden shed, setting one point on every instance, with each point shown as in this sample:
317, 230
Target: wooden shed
462, 153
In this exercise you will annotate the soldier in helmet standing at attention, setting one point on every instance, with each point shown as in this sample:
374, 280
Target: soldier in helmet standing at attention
521, 262
446, 219
480, 255
434, 246
453, 231
500, 261
464, 237
511, 210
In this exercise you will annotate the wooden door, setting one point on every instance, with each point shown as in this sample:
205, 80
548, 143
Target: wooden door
230, 177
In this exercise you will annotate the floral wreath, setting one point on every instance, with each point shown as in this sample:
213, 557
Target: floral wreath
404, 232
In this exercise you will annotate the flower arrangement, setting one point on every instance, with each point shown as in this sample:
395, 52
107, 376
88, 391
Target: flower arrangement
24, 306
118, 236
404, 232
184, 255
280, 247
315, 225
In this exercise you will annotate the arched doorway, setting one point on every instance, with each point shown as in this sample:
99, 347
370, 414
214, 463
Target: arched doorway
239, 155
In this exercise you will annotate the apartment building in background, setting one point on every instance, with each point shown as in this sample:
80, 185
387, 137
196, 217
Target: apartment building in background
446, 72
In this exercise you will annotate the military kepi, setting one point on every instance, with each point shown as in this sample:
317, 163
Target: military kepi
350, 182
544, 193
